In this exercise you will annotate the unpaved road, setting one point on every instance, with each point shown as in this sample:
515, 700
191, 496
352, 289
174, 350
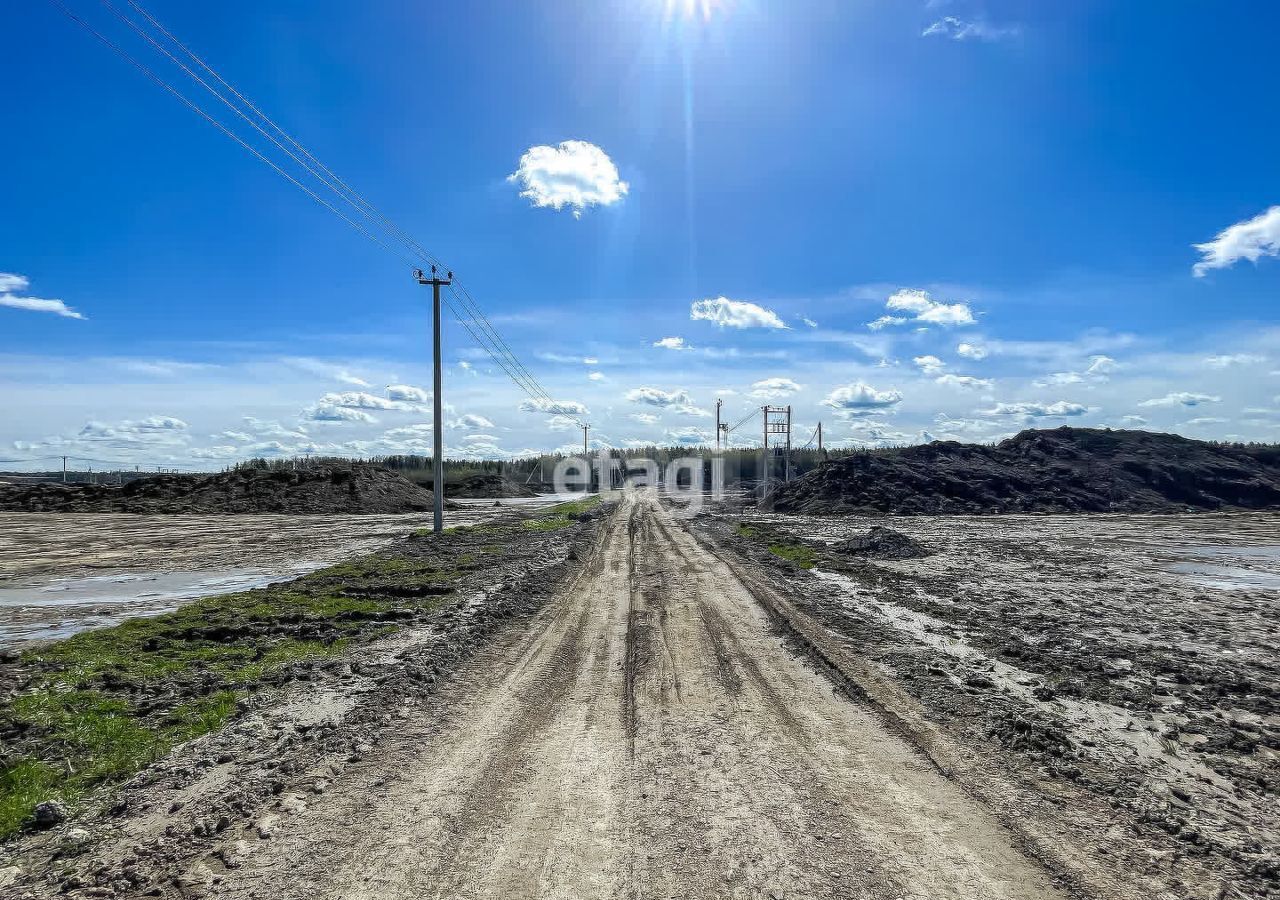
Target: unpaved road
648, 735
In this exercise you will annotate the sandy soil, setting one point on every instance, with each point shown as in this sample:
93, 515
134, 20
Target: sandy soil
649, 736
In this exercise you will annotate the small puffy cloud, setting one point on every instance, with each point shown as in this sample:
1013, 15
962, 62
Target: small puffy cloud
555, 407
408, 393
329, 412
421, 431
358, 400
1101, 365
1251, 240
150, 428
1226, 361
471, 420
574, 174
972, 351
957, 29
652, 396
929, 364
695, 412
644, 418
965, 381
562, 423
595, 376
9, 283
910, 305
807, 321
590, 361
861, 396
672, 343
241, 436
688, 436
1181, 398
1205, 420
734, 314
1133, 420
1059, 378
774, 388
1033, 410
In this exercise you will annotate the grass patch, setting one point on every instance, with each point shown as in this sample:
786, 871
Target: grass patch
562, 515
801, 555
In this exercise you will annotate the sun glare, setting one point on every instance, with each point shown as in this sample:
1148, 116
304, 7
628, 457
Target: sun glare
695, 9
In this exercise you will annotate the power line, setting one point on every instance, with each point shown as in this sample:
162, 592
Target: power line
475, 322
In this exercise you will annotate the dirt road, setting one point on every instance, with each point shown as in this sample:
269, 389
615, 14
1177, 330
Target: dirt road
648, 736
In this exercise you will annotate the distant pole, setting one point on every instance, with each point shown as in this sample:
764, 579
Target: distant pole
585, 448
437, 476
766, 466
819, 437
64, 470
718, 404
786, 464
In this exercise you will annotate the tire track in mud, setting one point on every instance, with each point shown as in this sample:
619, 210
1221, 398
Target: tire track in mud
649, 735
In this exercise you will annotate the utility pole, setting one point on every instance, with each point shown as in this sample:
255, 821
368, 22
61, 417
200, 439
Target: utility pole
64, 470
437, 430
820, 438
585, 448
718, 405
786, 464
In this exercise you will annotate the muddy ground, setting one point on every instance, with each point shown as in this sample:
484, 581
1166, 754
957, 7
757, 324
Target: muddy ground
1132, 661
60, 574
648, 705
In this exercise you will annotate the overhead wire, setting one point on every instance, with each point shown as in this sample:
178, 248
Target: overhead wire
471, 317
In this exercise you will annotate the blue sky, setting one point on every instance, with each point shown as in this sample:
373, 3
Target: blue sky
1028, 180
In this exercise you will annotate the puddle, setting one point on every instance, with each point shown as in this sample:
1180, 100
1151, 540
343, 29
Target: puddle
1249, 568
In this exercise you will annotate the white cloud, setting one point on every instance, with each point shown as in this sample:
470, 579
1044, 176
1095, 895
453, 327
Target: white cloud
329, 412
1204, 420
1251, 240
965, 381
1133, 420
688, 436
861, 396
1233, 359
1181, 398
10, 283
645, 418
1059, 378
408, 393
972, 351
1035, 410
556, 407
688, 409
929, 364
807, 321
1101, 365
734, 313
672, 343
360, 400
471, 420
576, 174
150, 428
590, 361
653, 396
969, 30
774, 388
420, 431
922, 309
562, 423
595, 376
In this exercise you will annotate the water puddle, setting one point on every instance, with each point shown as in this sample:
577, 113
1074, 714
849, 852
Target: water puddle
1231, 568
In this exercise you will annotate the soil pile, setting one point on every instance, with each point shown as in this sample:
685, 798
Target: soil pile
1058, 470
883, 543
487, 485
314, 490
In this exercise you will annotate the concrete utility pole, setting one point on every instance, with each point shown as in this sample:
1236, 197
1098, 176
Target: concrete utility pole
820, 437
585, 447
437, 475
719, 403
64, 470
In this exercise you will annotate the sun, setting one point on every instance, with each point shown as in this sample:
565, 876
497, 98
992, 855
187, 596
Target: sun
695, 9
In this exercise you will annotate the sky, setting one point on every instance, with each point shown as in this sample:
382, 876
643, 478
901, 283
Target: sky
911, 220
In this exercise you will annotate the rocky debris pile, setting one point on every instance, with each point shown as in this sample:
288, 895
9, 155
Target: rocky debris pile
487, 485
882, 543
311, 490
1050, 471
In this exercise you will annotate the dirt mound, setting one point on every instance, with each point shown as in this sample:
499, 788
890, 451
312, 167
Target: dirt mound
883, 543
487, 485
1059, 470
314, 490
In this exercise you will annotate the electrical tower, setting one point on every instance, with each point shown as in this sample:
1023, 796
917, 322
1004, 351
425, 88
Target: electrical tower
777, 421
437, 474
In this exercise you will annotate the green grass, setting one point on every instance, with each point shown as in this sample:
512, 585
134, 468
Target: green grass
801, 555
22, 786
562, 515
